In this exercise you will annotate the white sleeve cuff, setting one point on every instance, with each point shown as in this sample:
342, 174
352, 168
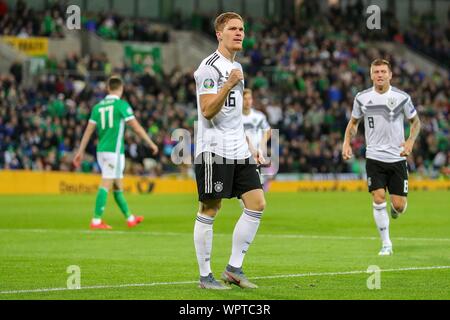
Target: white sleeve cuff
412, 115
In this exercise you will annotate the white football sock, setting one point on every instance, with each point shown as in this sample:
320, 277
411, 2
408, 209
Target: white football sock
243, 235
203, 237
131, 218
96, 221
382, 221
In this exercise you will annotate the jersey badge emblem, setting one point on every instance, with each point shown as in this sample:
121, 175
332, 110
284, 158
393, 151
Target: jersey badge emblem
208, 83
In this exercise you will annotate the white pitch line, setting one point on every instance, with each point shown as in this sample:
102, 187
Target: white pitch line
310, 274
176, 234
100, 287
347, 272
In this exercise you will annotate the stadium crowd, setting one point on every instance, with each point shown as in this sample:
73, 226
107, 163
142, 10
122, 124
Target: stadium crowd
317, 71
304, 75
23, 21
113, 26
429, 37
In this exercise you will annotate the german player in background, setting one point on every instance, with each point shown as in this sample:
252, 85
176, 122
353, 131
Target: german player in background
109, 117
223, 166
383, 108
257, 130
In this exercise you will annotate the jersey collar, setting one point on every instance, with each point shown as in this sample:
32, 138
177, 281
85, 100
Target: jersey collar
221, 55
387, 92
112, 96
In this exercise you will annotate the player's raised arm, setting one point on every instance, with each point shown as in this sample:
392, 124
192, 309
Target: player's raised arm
211, 104
414, 133
137, 128
84, 141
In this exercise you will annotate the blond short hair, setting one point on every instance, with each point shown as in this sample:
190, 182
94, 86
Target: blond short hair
247, 91
380, 62
222, 20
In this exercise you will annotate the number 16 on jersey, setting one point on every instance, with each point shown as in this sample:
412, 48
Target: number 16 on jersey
231, 100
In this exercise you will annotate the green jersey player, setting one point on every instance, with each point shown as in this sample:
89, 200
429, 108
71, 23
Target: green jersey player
109, 117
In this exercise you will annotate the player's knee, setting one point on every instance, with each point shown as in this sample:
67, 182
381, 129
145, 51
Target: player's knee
117, 185
210, 212
379, 198
106, 183
210, 209
258, 205
261, 205
399, 206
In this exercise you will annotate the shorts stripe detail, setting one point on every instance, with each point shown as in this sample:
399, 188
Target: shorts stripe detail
208, 174
206, 171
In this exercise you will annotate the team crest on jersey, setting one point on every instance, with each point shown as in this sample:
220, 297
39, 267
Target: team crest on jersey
218, 186
208, 83
392, 102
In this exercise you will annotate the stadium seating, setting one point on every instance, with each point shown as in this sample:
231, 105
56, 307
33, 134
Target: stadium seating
304, 74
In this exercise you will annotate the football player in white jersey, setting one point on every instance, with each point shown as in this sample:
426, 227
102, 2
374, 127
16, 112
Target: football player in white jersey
257, 130
224, 167
383, 108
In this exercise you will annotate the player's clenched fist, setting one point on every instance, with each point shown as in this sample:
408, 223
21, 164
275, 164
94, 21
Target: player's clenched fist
347, 151
234, 77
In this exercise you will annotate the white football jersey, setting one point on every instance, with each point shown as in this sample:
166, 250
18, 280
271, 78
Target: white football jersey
224, 134
383, 121
255, 124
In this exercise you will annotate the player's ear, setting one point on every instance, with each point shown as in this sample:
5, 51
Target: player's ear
219, 35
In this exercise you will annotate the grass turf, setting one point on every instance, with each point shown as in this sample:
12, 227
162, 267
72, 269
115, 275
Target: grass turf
306, 248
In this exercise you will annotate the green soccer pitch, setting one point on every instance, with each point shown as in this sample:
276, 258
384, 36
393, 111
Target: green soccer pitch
309, 246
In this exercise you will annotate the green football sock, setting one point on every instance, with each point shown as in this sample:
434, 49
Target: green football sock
122, 203
100, 202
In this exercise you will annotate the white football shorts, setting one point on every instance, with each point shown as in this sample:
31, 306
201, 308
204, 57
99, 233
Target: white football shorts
111, 164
